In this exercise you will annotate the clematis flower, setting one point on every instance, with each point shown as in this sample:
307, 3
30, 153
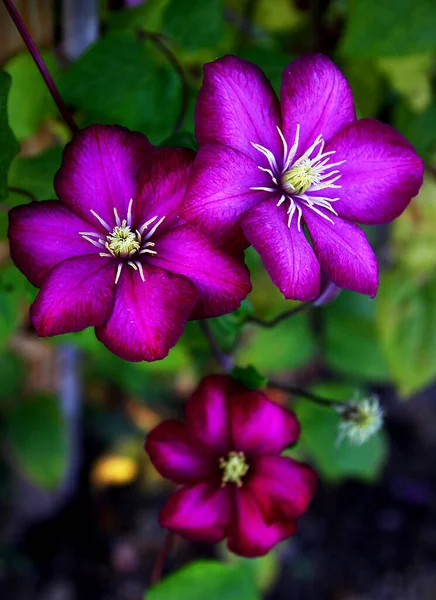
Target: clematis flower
234, 483
113, 253
307, 167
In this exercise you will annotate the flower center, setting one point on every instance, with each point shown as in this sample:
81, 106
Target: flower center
234, 468
122, 241
300, 177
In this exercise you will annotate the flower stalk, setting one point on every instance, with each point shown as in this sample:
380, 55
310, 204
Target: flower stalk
161, 557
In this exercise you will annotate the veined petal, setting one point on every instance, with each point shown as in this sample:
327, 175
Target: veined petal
175, 454
236, 106
78, 293
100, 170
162, 186
220, 191
249, 535
42, 234
258, 425
344, 253
222, 281
381, 174
316, 96
287, 255
199, 512
148, 317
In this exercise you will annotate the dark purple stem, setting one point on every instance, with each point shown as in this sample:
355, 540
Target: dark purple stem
18, 190
225, 360
295, 390
281, 317
159, 565
40, 64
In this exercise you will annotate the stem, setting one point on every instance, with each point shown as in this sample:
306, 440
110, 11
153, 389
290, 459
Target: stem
225, 360
23, 192
27, 38
156, 38
285, 315
298, 391
159, 564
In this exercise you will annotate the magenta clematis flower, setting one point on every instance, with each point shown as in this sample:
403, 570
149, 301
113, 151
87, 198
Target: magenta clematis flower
235, 484
114, 254
307, 165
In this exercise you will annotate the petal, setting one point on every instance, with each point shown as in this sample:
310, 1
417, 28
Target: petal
176, 455
148, 317
162, 185
250, 536
200, 512
260, 426
317, 97
287, 255
78, 293
381, 174
100, 170
282, 487
236, 106
222, 281
206, 411
344, 253
42, 234
219, 191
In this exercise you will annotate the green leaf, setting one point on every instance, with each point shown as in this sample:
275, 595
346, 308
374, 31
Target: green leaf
207, 579
319, 434
35, 174
410, 77
35, 433
15, 292
351, 343
419, 129
11, 376
389, 28
195, 24
126, 80
250, 377
27, 110
367, 84
9, 146
227, 328
406, 316
272, 61
183, 139
147, 16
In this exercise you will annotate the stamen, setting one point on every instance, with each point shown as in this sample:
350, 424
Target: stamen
119, 269
117, 218
145, 226
93, 242
105, 225
129, 213
150, 233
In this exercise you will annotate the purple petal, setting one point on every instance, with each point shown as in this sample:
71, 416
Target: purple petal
260, 426
287, 255
200, 512
222, 281
219, 191
381, 174
176, 455
78, 293
250, 536
236, 106
162, 186
42, 234
148, 317
100, 170
282, 487
317, 97
344, 253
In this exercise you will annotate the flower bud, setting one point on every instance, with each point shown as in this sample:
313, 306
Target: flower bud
360, 420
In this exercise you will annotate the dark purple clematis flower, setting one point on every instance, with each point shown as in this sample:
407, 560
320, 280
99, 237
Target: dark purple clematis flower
275, 171
114, 254
235, 484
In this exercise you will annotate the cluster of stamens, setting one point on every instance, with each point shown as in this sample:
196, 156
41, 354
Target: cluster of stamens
306, 174
123, 243
234, 468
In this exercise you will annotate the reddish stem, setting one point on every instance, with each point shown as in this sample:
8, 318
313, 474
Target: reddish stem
158, 567
27, 38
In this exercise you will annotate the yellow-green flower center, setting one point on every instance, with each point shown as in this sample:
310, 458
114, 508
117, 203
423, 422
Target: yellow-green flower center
300, 177
122, 241
234, 468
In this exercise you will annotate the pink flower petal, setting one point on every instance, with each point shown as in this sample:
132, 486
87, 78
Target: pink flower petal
286, 253
221, 280
381, 174
42, 234
78, 293
162, 186
282, 487
219, 191
249, 535
148, 317
236, 106
260, 426
100, 171
176, 455
317, 97
200, 512
344, 253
